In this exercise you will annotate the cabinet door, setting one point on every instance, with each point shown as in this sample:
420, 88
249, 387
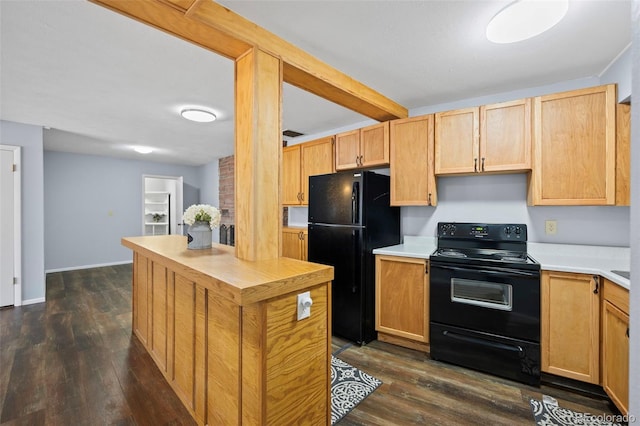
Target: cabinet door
615, 355
140, 295
574, 148
291, 176
623, 154
374, 145
317, 159
348, 150
304, 247
505, 136
402, 297
456, 141
291, 243
411, 146
570, 320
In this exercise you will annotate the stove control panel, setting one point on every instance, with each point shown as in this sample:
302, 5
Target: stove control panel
488, 231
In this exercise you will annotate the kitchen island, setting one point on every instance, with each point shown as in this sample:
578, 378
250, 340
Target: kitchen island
225, 335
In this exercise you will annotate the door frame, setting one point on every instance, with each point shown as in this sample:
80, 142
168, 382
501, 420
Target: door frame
17, 223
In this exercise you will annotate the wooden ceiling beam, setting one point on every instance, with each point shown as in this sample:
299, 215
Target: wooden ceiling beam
223, 31
169, 16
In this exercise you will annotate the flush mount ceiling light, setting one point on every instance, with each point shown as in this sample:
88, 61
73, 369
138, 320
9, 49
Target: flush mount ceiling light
143, 149
524, 19
197, 114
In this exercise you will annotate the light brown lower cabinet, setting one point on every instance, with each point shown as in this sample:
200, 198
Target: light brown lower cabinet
402, 301
570, 320
615, 345
294, 243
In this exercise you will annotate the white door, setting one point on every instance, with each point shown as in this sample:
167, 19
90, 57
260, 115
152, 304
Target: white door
7, 236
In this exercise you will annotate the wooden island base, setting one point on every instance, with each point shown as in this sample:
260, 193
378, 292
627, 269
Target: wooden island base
224, 332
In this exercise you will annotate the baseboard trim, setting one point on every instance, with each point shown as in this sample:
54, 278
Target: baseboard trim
75, 268
33, 301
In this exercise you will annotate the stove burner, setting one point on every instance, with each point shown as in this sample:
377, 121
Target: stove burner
451, 253
513, 259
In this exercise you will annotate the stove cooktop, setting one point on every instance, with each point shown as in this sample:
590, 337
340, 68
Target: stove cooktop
484, 254
490, 244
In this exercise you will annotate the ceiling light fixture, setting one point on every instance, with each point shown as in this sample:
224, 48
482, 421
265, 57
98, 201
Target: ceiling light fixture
524, 19
143, 149
197, 114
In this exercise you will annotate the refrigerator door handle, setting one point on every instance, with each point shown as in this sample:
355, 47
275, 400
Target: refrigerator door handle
354, 244
355, 199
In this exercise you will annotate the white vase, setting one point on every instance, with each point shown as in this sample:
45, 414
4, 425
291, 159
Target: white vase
199, 236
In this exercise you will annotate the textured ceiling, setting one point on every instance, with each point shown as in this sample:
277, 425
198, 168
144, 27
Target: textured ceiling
103, 83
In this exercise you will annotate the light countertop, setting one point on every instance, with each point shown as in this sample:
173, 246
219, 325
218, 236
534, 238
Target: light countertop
418, 247
597, 260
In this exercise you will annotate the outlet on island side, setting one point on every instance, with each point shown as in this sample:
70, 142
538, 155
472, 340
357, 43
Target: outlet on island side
551, 227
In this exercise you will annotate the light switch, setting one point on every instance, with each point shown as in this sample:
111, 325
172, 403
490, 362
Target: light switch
304, 305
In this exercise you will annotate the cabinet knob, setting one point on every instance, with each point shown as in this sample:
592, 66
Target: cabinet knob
475, 165
482, 167
596, 281
429, 199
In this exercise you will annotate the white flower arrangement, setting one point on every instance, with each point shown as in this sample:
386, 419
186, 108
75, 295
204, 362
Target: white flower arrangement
202, 213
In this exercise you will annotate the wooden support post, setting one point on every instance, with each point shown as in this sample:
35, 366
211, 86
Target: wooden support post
258, 148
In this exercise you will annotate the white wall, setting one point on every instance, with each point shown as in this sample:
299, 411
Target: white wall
91, 202
634, 362
619, 71
30, 139
502, 199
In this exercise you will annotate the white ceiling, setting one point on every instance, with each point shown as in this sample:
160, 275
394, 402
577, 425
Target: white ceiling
103, 83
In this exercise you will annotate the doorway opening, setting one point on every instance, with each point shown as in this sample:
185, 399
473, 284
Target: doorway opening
162, 205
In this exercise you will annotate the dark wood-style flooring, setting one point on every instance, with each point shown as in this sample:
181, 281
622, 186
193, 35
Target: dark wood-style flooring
74, 361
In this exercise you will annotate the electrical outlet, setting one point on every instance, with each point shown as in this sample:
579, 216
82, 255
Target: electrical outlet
304, 305
551, 227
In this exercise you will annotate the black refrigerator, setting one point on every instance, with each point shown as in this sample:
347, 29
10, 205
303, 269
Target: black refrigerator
349, 216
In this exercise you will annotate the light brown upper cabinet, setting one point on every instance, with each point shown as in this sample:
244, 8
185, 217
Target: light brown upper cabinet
505, 136
412, 180
366, 147
301, 161
574, 148
490, 138
623, 154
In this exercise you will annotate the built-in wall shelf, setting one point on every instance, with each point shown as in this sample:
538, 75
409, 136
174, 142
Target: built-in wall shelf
156, 213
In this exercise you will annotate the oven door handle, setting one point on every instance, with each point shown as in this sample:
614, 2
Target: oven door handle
483, 342
491, 270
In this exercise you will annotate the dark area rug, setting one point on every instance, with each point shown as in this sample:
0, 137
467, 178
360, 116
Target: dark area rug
349, 386
548, 413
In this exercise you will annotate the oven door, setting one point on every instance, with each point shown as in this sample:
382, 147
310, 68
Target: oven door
488, 299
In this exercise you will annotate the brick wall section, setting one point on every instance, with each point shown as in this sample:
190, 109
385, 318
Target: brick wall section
226, 190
